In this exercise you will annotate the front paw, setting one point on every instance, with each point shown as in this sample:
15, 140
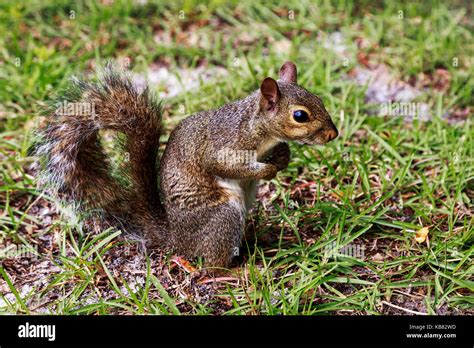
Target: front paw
269, 173
280, 156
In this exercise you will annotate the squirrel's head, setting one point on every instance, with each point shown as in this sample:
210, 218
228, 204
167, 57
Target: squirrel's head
292, 113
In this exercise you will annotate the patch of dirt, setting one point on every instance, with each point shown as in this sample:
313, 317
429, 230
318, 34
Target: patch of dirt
172, 83
388, 94
33, 276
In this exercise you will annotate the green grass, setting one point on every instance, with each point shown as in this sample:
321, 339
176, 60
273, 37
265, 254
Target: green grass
381, 181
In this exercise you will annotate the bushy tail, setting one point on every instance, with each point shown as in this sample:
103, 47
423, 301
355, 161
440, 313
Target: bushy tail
77, 170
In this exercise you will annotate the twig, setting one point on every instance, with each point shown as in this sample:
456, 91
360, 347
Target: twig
403, 309
217, 280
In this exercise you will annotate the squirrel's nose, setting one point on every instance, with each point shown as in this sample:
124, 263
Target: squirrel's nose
331, 134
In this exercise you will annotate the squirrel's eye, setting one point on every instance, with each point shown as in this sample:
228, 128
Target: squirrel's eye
300, 116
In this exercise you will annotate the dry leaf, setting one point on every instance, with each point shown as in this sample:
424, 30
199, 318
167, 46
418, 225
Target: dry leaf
378, 257
183, 263
422, 234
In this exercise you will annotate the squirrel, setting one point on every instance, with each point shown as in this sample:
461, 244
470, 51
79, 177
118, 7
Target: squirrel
194, 200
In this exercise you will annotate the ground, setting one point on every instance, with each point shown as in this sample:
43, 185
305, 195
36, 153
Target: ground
379, 221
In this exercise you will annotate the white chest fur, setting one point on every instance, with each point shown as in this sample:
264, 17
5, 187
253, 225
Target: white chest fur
245, 190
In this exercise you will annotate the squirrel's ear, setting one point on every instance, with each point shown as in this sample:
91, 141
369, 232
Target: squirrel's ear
288, 72
270, 92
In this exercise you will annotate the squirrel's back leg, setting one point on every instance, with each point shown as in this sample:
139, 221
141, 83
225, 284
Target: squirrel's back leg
222, 234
